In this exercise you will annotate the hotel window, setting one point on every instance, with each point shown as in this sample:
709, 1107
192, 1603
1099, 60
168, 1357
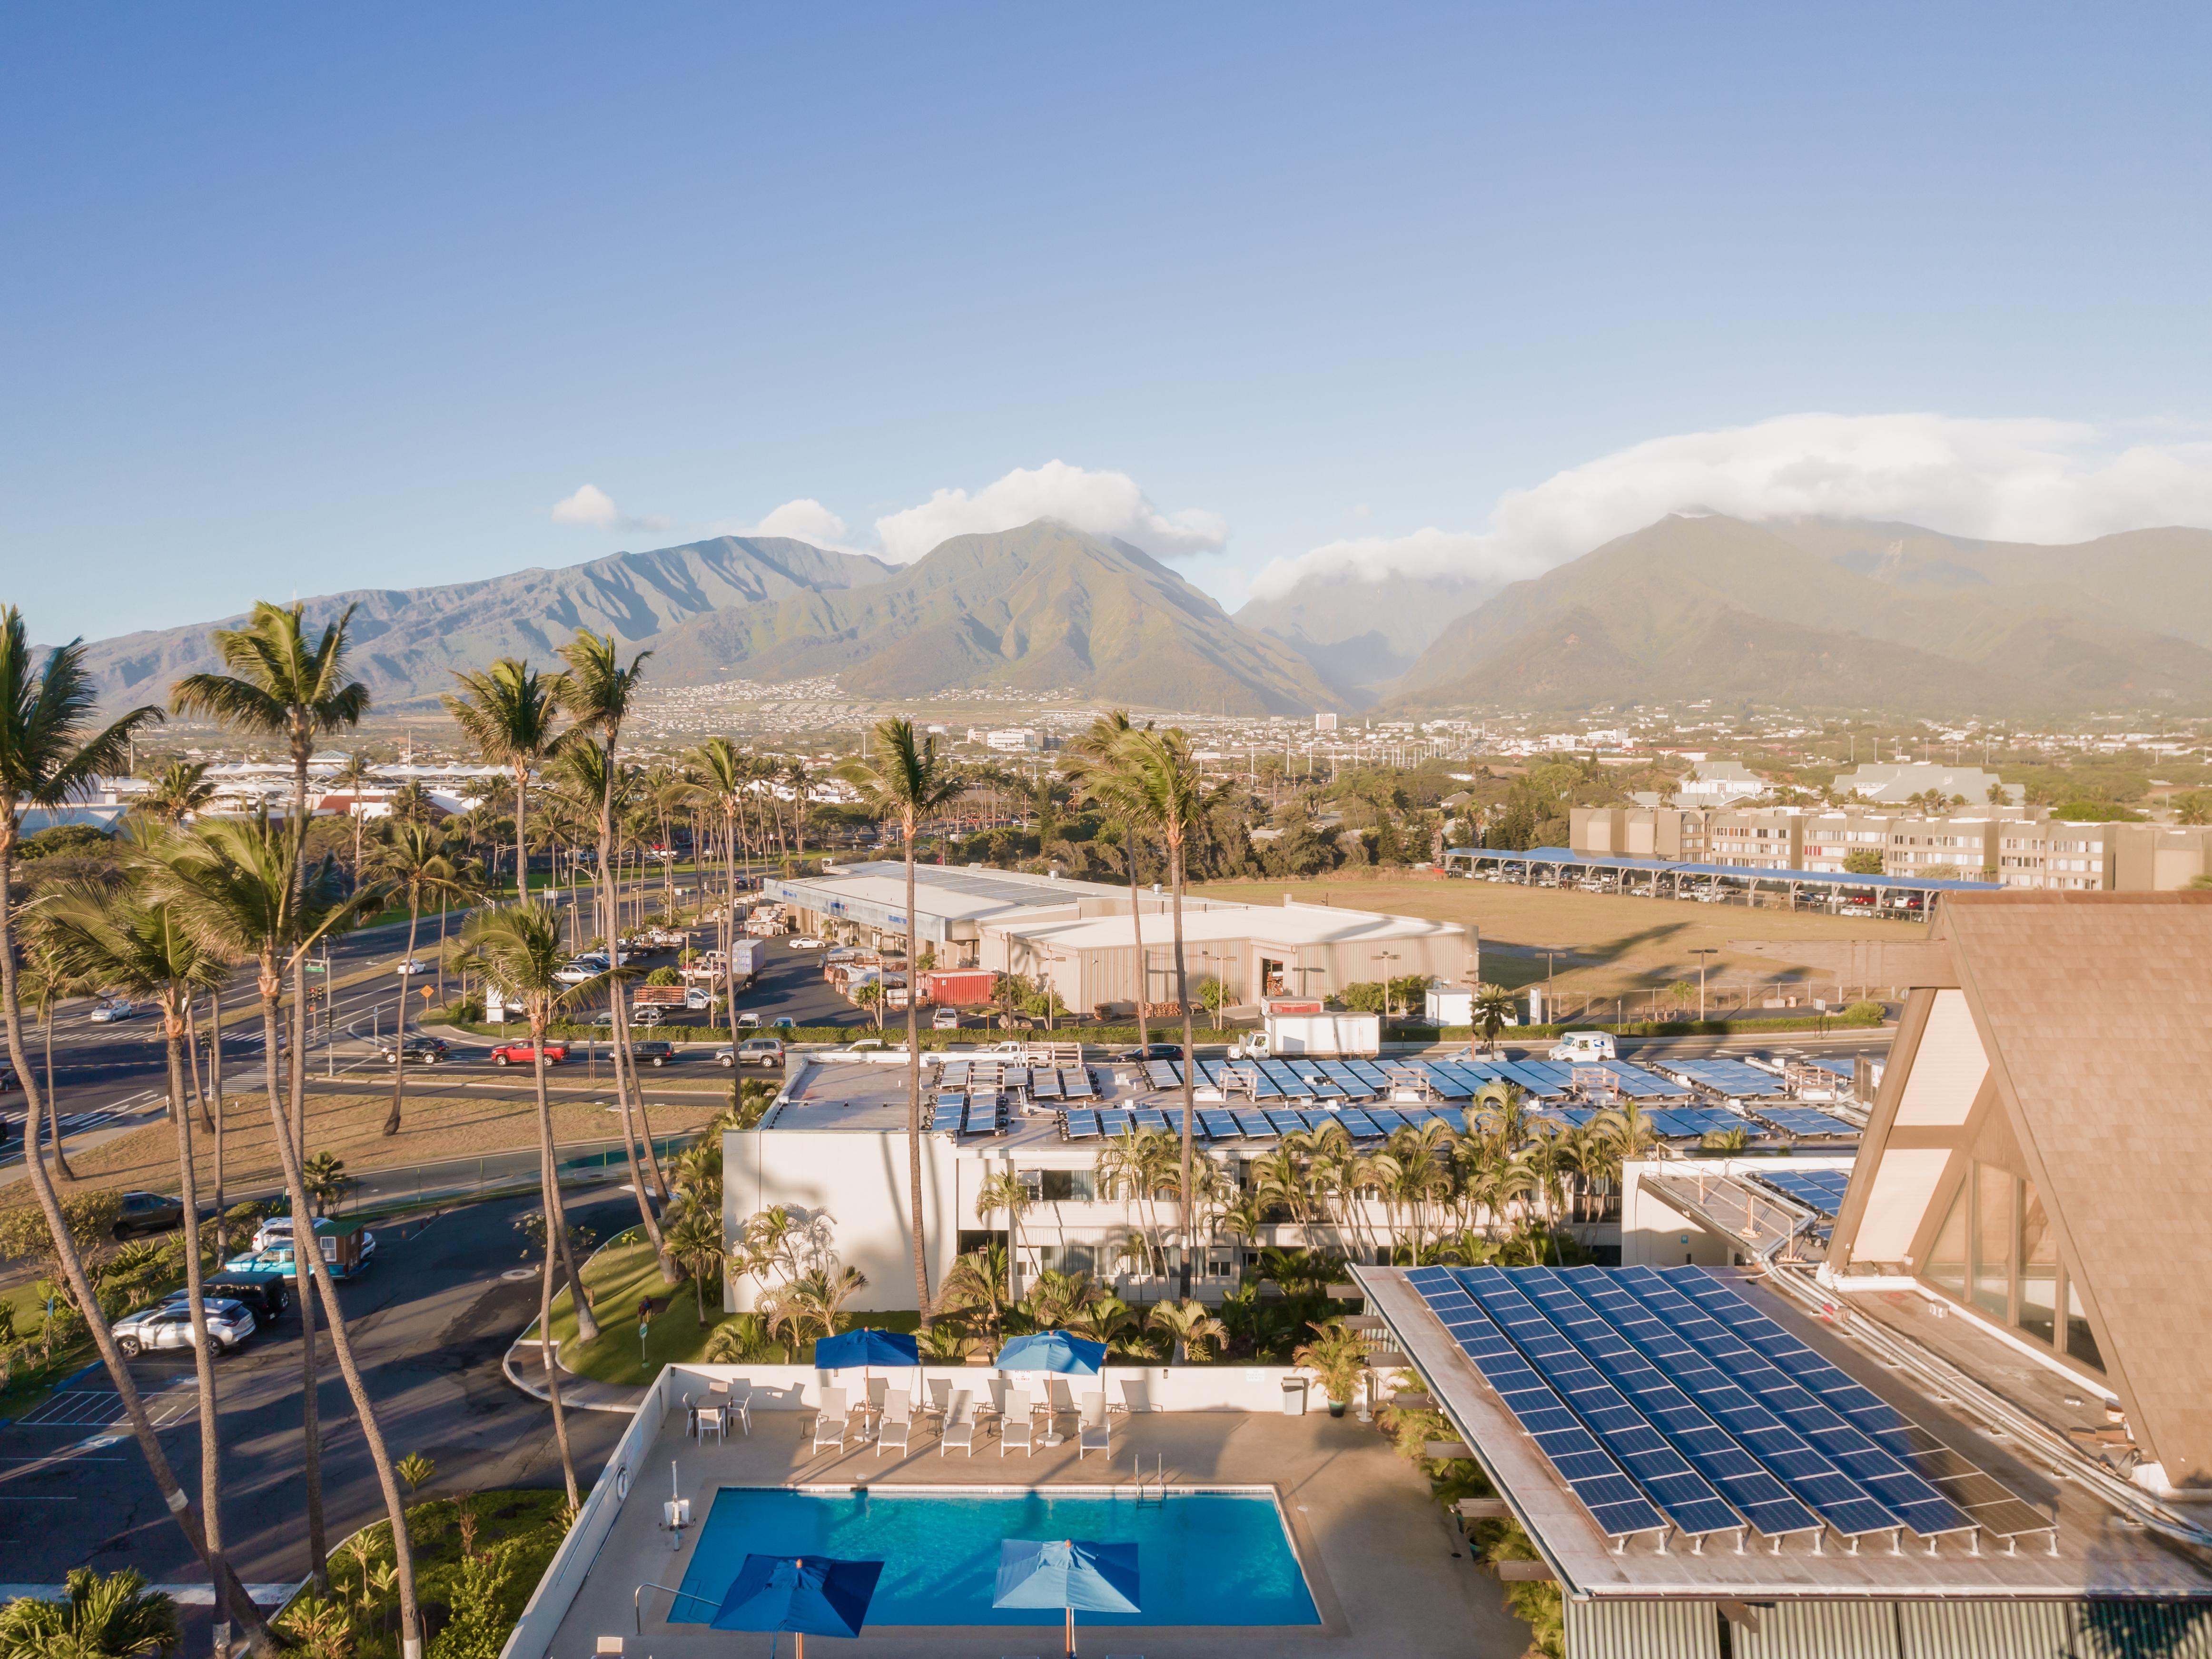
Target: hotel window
1996, 1252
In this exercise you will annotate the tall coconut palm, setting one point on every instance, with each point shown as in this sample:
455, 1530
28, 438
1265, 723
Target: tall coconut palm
1006, 1191
597, 692
242, 886
1163, 777
50, 754
411, 862
354, 774
518, 947
279, 685
722, 776
145, 950
180, 791
1096, 763
507, 711
797, 775
906, 781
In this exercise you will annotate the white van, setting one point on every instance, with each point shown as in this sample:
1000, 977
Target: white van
1584, 1046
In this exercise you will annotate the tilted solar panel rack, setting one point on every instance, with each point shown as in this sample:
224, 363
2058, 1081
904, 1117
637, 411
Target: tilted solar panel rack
1081, 1125
1162, 1074
945, 1111
1806, 1122
1044, 1085
986, 1116
1642, 1084
1408, 1079
1075, 1083
1241, 1080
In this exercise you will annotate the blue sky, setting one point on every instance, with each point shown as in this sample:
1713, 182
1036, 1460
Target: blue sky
304, 299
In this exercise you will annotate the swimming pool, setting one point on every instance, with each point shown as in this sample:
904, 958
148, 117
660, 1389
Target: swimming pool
1203, 1557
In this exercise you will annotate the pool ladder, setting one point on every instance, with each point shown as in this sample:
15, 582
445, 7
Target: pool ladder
1156, 1482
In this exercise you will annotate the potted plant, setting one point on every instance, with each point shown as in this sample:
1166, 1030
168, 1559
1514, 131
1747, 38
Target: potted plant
1337, 1357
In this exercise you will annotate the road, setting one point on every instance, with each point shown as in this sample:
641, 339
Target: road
429, 1320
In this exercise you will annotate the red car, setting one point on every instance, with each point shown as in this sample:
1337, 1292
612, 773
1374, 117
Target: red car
522, 1053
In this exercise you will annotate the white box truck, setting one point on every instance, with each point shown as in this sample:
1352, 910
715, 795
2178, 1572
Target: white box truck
1305, 1026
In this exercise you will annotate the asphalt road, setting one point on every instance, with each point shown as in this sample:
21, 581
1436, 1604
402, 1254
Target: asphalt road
429, 1319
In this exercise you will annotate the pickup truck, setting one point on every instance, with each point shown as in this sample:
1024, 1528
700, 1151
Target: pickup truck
521, 1053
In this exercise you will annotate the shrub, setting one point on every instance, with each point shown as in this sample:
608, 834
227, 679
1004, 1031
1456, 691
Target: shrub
1865, 1013
664, 976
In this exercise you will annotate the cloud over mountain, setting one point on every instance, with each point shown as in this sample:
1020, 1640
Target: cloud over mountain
2029, 480
1103, 504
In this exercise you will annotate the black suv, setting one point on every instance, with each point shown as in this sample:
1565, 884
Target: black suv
1153, 1051
427, 1050
652, 1052
263, 1292
147, 1213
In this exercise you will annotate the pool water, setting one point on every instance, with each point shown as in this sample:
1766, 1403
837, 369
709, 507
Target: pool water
1203, 1558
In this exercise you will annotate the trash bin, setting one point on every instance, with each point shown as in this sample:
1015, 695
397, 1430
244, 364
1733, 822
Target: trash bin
1294, 1396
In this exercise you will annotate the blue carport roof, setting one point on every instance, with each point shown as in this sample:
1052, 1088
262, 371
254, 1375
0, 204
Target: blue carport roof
1819, 877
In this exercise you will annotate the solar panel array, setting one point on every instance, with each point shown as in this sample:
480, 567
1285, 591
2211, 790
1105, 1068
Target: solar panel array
1820, 1191
1714, 1416
1731, 1078
1302, 1079
1689, 1123
1807, 1122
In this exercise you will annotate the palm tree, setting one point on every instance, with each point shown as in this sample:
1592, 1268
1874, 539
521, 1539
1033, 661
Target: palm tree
118, 1616
695, 1239
1006, 1191
1493, 1011
49, 755
800, 780
180, 791
980, 1281
1193, 1329
146, 950
242, 887
508, 712
411, 861
518, 947
43, 983
812, 1302
281, 686
597, 691
723, 777
906, 781
1093, 763
353, 776
1166, 780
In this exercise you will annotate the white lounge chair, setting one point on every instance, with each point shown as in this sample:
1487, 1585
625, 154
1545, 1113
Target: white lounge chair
1094, 1433
896, 1425
832, 1420
959, 1427
940, 1395
1018, 1427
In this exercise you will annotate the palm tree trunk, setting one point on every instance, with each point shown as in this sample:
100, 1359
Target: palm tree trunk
214, 1093
1189, 1064
30, 1130
319, 1555
522, 845
626, 1076
399, 1025
729, 919
308, 1261
1137, 934
203, 1353
193, 1048
549, 1190
173, 1495
914, 1091
588, 1324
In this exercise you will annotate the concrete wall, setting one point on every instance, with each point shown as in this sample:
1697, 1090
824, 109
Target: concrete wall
1141, 1387
853, 1187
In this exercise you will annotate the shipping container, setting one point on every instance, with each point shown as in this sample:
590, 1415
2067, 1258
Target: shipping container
959, 987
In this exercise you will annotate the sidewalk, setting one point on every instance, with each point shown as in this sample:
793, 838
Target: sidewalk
524, 1365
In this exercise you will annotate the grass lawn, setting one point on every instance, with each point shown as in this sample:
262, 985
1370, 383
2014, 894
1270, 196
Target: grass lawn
624, 1273
1619, 945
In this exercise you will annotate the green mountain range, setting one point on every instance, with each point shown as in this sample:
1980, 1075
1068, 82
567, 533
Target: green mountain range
1041, 608
1841, 615
1358, 633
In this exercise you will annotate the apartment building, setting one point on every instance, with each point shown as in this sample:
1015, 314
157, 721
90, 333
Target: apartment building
2020, 849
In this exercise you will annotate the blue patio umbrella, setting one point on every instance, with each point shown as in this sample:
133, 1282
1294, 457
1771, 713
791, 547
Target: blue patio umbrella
1053, 1351
806, 1595
1067, 1574
864, 1348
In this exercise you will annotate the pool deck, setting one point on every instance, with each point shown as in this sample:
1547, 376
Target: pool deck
1377, 1551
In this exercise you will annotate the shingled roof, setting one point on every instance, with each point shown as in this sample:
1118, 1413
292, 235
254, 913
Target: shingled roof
2068, 1035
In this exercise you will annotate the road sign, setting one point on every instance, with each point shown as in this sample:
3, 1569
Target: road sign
318, 966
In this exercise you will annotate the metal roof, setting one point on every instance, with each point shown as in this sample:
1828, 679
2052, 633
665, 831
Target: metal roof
1741, 872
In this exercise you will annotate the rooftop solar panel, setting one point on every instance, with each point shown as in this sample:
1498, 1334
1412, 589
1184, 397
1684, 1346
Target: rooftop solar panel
1217, 1124
1674, 1485
1164, 1075
1731, 1078
1820, 1191
1387, 1121
1081, 1125
944, 1114
1642, 1084
1587, 1469
1148, 1118
1855, 1427
1688, 1122
1045, 1084
1075, 1083
1806, 1122
1757, 1493
1359, 1124
1282, 1121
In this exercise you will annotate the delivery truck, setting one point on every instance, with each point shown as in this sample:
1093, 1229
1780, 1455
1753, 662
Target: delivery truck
1307, 1026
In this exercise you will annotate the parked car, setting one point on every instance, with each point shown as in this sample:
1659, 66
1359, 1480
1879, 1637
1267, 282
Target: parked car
579, 970
783, 1023
169, 1325
647, 1016
347, 1246
414, 965
944, 1019
419, 1050
264, 1293
747, 1021
522, 1053
807, 942
754, 1051
110, 1009
652, 1052
1151, 1051
147, 1213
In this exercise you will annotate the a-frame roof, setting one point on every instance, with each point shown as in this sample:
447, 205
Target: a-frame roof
2083, 1021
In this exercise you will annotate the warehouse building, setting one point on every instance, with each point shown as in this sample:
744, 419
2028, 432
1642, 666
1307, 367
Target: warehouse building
1083, 939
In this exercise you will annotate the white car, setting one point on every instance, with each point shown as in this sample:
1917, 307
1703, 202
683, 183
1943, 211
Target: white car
576, 972
414, 965
169, 1325
109, 1009
944, 1019
803, 942
1583, 1046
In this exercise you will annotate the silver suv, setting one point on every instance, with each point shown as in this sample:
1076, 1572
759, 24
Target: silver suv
170, 1326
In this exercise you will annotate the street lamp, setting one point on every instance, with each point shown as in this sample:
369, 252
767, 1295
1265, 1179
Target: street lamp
1386, 955
1702, 952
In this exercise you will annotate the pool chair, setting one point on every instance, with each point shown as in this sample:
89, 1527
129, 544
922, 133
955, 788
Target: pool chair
1018, 1427
832, 1421
738, 1408
712, 1419
959, 1427
895, 1428
1094, 1433
940, 1395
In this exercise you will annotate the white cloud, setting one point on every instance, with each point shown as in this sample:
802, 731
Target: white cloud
2028, 480
1099, 503
590, 505
804, 519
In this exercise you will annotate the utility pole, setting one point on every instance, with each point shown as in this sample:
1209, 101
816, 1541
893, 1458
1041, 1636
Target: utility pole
1707, 950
